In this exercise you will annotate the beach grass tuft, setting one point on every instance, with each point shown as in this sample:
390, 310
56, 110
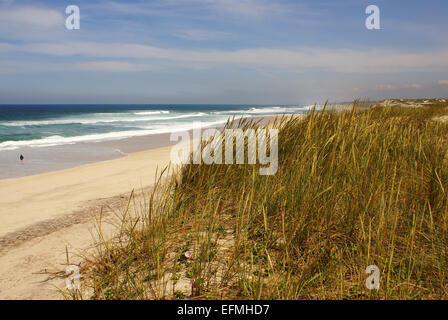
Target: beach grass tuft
367, 186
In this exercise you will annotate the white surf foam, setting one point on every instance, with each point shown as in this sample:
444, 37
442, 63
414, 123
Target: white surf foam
151, 112
269, 110
117, 135
96, 120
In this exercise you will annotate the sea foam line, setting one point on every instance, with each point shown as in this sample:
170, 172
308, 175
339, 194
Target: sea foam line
117, 135
94, 121
273, 110
151, 112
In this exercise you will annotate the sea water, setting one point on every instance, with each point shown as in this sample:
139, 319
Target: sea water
53, 137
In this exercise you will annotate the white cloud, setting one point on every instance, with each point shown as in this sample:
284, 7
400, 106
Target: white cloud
201, 35
30, 23
15, 67
28, 16
112, 66
248, 9
300, 59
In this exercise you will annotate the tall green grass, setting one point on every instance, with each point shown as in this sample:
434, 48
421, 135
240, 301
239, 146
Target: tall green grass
353, 189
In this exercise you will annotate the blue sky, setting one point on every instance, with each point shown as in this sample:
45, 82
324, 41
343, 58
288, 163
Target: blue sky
221, 51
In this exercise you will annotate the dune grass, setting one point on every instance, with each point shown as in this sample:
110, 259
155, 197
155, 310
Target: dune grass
353, 189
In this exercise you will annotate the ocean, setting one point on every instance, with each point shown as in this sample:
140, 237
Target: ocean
53, 137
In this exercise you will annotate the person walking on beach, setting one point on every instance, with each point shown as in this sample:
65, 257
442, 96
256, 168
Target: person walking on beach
21, 157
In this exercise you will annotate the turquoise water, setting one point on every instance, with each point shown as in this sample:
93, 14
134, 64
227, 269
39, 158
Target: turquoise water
35, 126
54, 137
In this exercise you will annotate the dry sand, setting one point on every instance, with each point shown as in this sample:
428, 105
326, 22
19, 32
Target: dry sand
43, 214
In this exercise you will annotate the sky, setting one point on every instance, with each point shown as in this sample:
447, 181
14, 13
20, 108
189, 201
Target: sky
221, 51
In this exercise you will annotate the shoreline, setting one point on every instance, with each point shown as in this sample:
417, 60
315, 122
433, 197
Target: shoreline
151, 142
119, 175
45, 214
62, 157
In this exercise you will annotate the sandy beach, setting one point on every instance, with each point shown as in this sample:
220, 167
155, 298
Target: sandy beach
43, 214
